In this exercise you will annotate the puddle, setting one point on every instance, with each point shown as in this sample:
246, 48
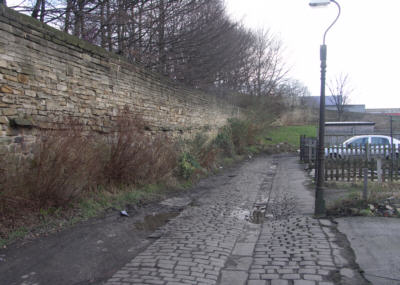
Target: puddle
256, 215
152, 222
240, 214
179, 202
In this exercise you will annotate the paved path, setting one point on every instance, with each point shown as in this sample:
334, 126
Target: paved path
212, 242
375, 241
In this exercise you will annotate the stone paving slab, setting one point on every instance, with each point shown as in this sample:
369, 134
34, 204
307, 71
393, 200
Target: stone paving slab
212, 242
194, 247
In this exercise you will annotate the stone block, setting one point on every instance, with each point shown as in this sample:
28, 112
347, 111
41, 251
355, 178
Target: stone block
6, 89
22, 78
233, 277
9, 111
3, 63
10, 78
30, 93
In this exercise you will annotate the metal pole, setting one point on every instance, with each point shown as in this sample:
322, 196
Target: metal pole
320, 209
319, 190
391, 147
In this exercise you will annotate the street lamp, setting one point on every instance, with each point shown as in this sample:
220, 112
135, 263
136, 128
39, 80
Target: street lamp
319, 191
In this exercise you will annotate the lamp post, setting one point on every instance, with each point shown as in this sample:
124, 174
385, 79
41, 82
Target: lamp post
319, 191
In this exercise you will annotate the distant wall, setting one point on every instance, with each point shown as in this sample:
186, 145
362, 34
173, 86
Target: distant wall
47, 76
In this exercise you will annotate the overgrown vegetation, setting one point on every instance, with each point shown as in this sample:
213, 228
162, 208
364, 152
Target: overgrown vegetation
346, 199
73, 174
68, 166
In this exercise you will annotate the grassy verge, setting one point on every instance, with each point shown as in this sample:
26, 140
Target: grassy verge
288, 134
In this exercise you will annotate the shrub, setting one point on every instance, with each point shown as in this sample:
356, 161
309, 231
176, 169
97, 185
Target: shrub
133, 157
223, 140
235, 137
243, 134
63, 165
188, 165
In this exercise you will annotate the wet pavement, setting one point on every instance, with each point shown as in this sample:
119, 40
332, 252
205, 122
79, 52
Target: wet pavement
255, 229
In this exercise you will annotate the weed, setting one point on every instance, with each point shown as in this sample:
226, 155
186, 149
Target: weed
188, 165
223, 140
14, 235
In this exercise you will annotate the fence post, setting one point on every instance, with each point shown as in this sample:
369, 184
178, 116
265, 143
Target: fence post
365, 189
301, 148
379, 169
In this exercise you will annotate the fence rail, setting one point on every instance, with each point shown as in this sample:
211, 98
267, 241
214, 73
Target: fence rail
348, 163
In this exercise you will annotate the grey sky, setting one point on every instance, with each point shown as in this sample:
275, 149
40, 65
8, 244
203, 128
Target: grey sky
363, 43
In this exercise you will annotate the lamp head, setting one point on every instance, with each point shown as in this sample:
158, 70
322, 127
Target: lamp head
319, 3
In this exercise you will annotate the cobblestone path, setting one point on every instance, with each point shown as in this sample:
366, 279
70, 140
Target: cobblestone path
212, 242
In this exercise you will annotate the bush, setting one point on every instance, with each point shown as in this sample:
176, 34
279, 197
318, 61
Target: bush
188, 165
243, 134
223, 140
66, 164
61, 167
235, 137
133, 157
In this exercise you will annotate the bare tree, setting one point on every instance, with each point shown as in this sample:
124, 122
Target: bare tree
340, 91
293, 91
268, 66
194, 42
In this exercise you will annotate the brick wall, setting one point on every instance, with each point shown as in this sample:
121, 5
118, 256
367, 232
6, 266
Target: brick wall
48, 77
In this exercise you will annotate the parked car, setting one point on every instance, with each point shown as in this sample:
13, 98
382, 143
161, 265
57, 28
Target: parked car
356, 146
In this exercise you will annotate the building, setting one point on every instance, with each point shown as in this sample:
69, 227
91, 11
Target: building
338, 132
330, 104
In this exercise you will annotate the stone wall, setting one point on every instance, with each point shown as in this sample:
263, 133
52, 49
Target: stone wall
48, 77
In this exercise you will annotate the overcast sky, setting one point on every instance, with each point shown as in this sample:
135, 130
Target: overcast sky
364, 43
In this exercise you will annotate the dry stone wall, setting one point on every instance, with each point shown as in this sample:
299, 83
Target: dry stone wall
48, 77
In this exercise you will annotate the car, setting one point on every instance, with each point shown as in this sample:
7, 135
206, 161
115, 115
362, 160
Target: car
356, 146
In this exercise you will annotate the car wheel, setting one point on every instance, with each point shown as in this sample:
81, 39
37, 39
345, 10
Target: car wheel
333, 155
396, 156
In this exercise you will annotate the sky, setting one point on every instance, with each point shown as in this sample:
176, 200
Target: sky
364, 43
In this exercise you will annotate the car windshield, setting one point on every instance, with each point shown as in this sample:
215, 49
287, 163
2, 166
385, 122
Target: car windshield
379, 140
358, 142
